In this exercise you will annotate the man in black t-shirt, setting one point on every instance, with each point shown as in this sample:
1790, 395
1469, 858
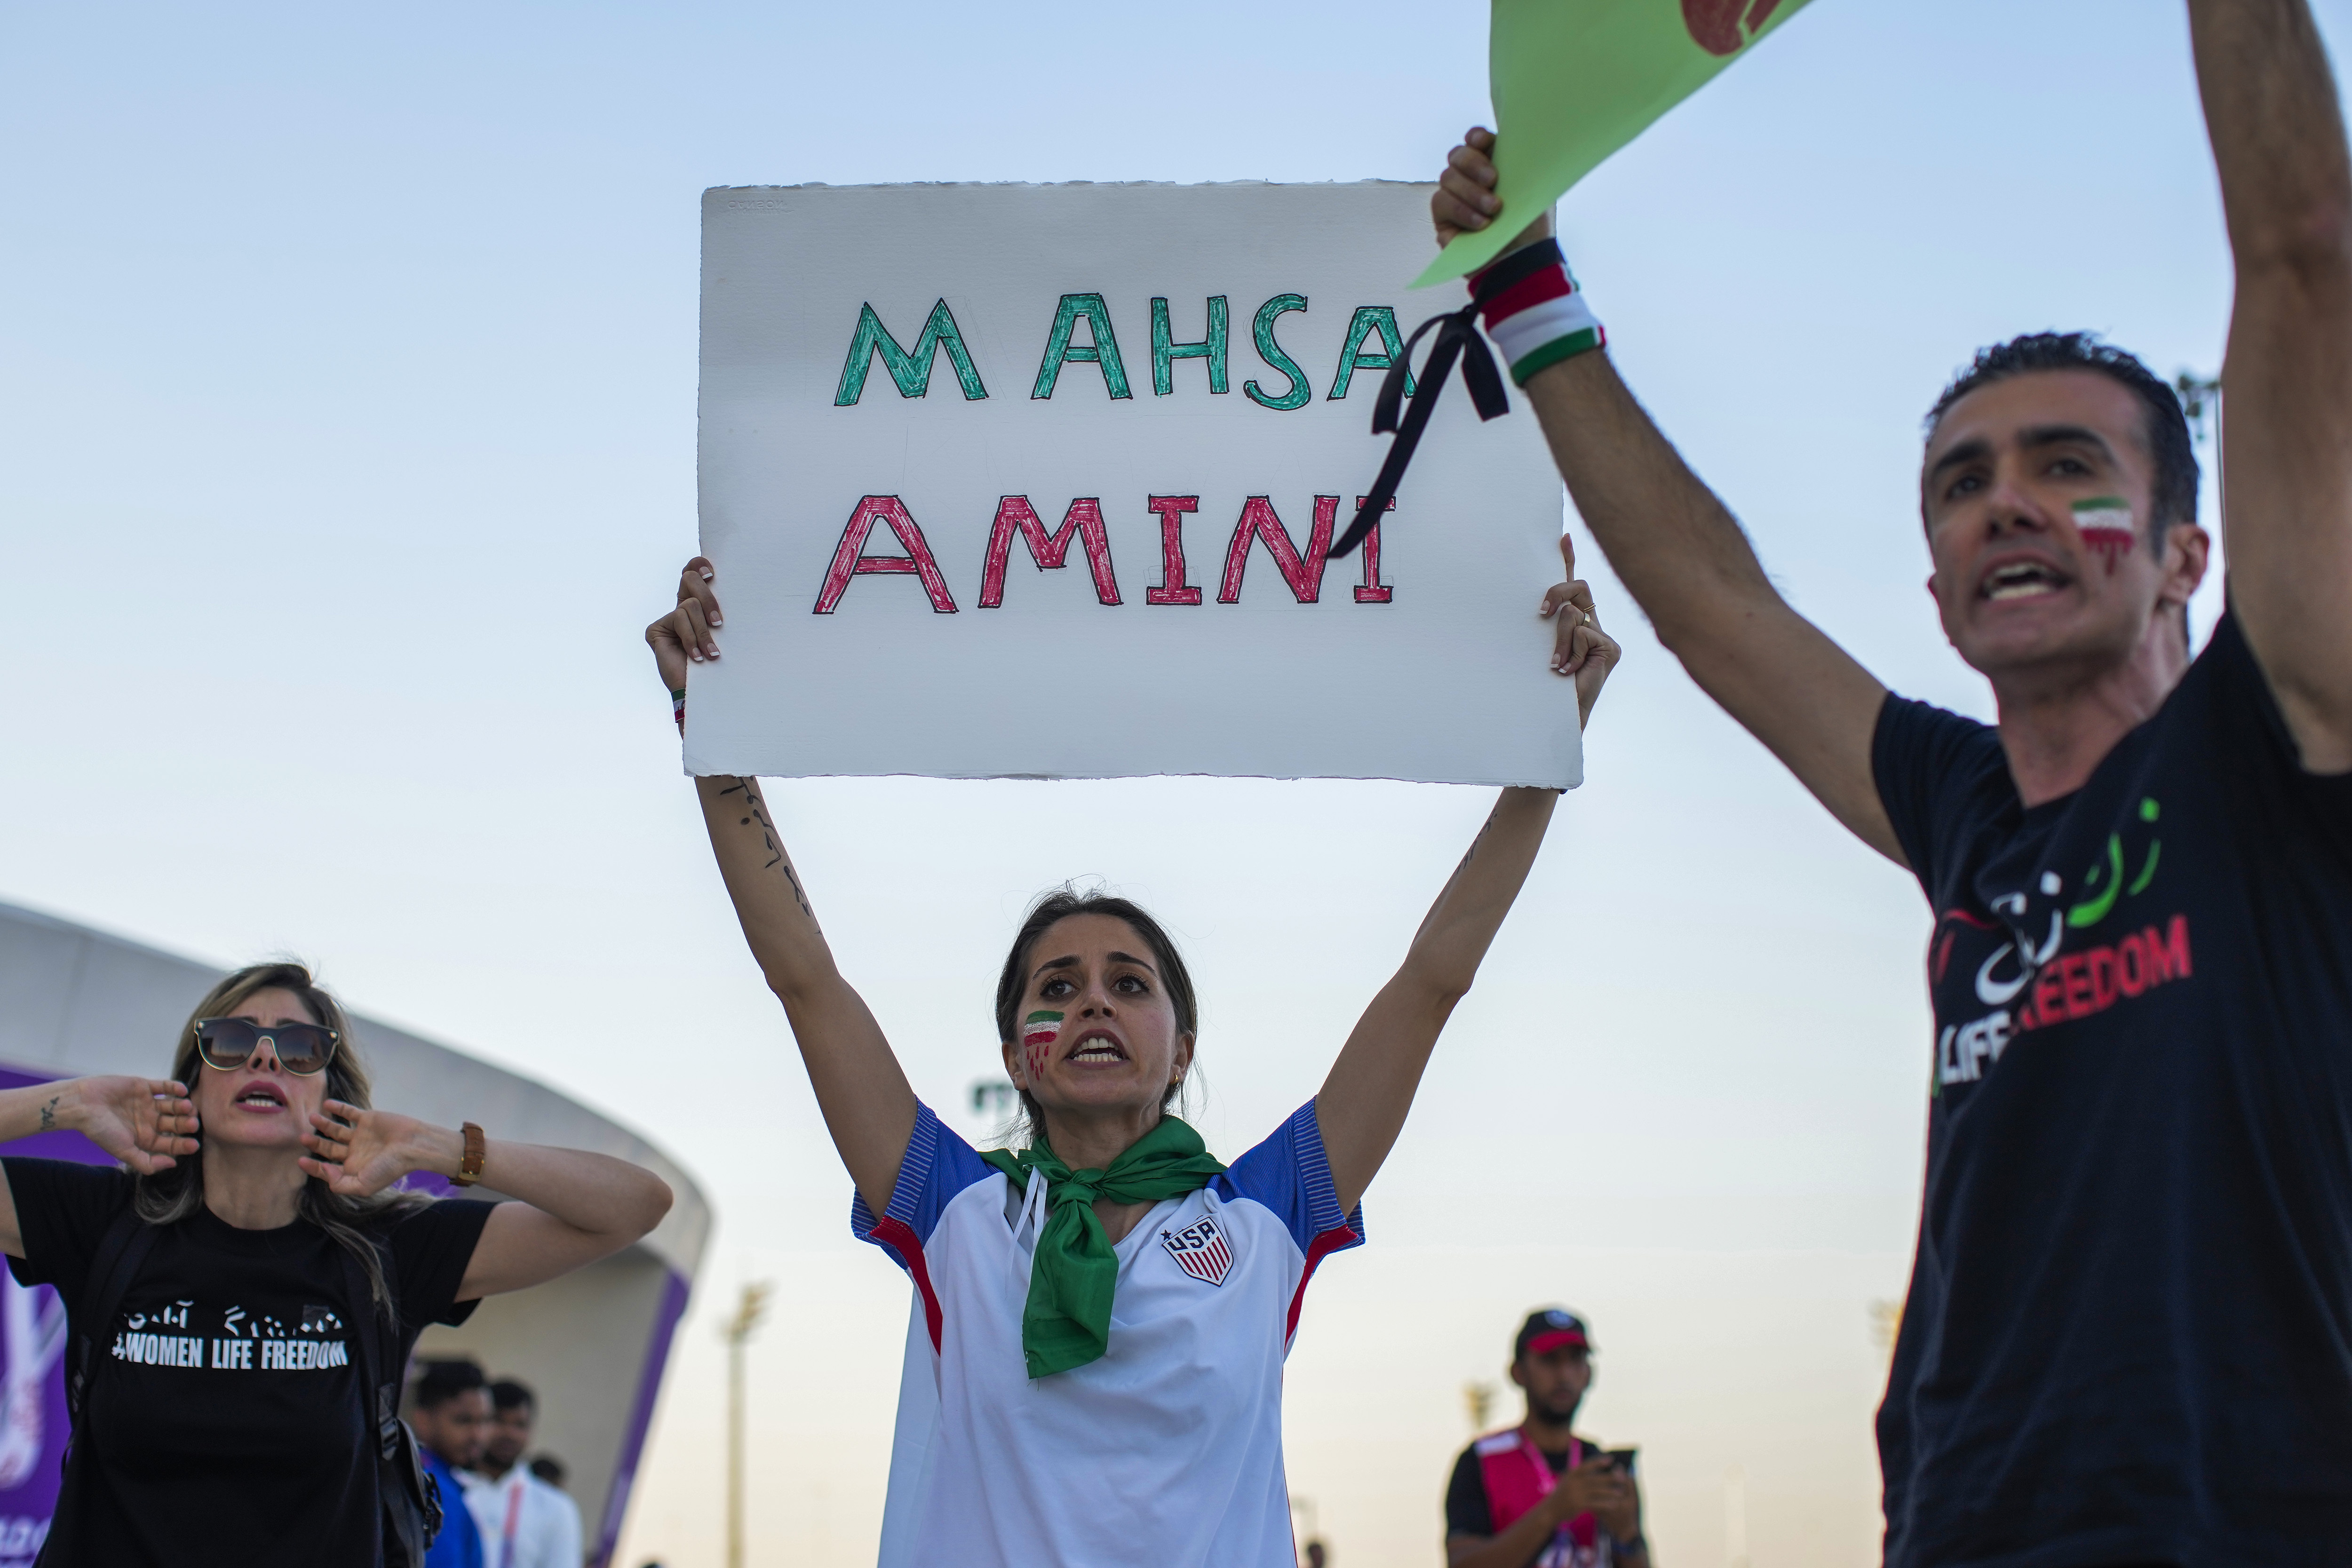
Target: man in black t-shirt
1536, 1495
2128, 1337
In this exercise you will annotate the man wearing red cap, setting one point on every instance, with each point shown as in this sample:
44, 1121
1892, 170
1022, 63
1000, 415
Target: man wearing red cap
1537, 1495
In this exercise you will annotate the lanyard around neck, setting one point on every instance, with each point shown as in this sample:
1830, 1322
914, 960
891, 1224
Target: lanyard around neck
1545, 1478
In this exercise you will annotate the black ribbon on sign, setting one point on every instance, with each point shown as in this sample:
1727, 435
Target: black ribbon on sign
1457, 335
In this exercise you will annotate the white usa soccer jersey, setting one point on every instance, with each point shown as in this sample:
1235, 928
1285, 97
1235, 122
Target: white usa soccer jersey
1167, 1450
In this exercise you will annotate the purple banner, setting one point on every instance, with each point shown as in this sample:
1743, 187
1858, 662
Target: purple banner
32, 1370
633, 1442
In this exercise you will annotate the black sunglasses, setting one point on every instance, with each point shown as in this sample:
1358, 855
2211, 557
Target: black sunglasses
227, 1043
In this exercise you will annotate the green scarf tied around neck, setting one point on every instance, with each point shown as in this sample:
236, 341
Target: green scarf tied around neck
1067, 1322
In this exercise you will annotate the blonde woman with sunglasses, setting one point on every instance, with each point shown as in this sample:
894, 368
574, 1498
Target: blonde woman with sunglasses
252, 1259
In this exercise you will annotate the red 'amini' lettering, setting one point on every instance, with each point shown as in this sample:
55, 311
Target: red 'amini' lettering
1172, 589
850, 559
1084, 520
1371, 590
1304, 573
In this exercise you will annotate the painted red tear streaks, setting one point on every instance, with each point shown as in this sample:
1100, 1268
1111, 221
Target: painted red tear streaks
1715, 25
1084, 520
1304, 575
1035, 1058
1172, 589
850, 560
2109, 544
1372, 591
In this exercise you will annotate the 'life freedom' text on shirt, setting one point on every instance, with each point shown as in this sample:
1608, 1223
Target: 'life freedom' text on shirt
231, 1355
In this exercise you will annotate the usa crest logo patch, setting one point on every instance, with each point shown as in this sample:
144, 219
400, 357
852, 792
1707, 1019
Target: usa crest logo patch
1199, 1250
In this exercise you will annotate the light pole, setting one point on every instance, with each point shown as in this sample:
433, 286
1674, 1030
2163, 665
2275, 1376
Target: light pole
2201, 401
1734, 1517
1478, 1398
737, 1332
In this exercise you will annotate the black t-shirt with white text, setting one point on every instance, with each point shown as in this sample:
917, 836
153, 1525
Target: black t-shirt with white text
2128, 1335
224, 1421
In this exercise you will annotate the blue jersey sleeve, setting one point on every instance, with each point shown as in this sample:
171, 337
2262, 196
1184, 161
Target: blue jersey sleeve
1290, 1174
936, 1166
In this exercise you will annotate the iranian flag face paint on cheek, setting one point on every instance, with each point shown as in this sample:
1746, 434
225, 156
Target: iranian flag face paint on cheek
2106, 524
1038, 1032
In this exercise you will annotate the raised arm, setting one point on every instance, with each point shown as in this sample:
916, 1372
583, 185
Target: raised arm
1362, 1105
570, 1208
868, 1106
1687, 562
142, 1122
2286, 445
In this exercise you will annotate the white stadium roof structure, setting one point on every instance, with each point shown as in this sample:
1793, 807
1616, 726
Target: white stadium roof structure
594, 1345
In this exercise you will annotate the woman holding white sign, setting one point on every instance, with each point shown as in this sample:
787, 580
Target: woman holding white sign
1097, 1373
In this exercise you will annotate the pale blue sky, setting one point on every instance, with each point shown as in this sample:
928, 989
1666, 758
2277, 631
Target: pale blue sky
347, 376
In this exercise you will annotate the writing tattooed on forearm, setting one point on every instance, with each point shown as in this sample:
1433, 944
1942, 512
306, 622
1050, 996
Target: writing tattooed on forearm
798, 893
1472, 853
770, 837
49, 1114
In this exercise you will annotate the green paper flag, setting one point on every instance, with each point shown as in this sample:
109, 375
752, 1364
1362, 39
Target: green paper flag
1576, 80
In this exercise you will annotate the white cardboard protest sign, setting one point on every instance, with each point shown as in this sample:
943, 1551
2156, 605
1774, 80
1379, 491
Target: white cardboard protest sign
1037, 481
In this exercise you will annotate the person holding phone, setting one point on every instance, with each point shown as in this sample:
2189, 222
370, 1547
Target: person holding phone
1536, 1495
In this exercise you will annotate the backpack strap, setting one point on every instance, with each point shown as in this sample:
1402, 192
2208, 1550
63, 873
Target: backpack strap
410, 1508
122, 1248
378, 1333
120, 1251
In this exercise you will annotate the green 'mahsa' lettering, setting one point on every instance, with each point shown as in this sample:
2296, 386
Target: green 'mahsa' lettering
911, 371
1368, 319
1262, 329
1103, 350
1165, 350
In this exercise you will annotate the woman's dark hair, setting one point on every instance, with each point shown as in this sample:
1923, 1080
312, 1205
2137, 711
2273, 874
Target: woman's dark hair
1059, 905
170, 1197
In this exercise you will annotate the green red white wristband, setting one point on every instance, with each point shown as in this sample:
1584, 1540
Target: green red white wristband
1534, 311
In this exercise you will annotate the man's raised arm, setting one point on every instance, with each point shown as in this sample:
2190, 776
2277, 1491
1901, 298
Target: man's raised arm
2287, 460
1687, 564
